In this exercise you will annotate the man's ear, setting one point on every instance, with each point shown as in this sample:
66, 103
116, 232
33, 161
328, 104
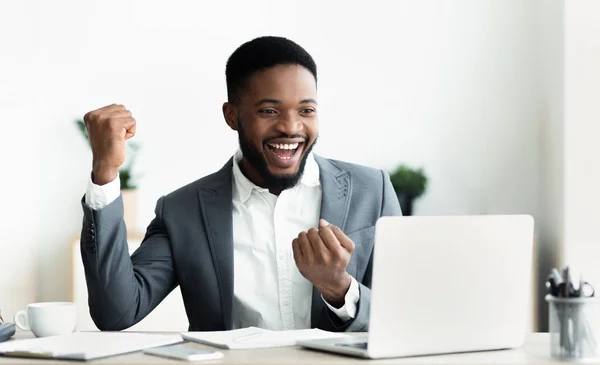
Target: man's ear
230, 115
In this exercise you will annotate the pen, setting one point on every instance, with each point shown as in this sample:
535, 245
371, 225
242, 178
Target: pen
555, 274
567, 281
565, 338
553, 283
586, 334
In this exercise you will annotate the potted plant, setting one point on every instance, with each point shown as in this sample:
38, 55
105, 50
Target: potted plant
128, 185
409, 184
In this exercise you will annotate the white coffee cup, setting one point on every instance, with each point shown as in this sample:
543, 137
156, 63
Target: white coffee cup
48, 318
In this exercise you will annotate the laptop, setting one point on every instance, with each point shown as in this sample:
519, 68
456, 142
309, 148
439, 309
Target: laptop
444, 285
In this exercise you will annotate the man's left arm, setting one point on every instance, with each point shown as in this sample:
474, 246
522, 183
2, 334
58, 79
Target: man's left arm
353, 314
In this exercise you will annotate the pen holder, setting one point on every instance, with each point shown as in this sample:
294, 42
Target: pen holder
574, 328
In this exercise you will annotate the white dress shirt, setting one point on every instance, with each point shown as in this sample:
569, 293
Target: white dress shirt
269, 291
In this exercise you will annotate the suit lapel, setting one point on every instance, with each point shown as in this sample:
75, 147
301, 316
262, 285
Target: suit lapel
336, 187
216, 205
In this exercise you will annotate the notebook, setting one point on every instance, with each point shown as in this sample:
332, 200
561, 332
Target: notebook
254, 337
86, 345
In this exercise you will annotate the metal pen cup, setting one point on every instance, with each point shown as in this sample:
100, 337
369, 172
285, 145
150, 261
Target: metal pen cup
574, 328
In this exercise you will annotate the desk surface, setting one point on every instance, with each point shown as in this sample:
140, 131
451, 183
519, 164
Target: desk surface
535, 351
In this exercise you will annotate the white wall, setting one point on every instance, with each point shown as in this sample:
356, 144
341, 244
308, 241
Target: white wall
550, 235
449, 85
570, 171
18, 118
582, 129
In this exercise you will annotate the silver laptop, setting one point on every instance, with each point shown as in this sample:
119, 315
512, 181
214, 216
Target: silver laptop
444, 285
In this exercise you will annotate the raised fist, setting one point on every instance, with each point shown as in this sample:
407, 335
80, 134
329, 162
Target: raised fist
108, 128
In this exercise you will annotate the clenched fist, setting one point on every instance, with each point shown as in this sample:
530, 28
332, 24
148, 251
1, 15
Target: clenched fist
108, 128
322, 256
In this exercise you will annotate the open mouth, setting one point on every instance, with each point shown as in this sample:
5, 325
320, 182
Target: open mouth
284, 155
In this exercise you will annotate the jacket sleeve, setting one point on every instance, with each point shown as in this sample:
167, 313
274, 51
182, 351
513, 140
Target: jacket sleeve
123, 289
389, 207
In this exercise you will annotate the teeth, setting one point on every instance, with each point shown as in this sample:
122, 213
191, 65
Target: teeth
284, 146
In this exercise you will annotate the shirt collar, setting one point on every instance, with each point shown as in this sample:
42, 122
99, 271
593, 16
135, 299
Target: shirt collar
244, 186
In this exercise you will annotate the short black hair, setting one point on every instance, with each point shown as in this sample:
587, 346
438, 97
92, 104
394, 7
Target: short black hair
259, 54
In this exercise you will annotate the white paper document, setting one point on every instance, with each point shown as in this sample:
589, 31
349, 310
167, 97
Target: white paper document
86, 345
253, 337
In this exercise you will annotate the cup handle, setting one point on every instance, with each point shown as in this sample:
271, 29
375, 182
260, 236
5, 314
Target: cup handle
22, 321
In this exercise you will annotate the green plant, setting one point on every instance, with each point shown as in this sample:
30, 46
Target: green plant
125, 175
408, 181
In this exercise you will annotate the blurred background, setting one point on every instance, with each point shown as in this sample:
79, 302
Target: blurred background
496, 100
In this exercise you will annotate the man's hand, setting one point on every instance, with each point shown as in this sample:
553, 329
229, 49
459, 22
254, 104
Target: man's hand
322, 256
108, 128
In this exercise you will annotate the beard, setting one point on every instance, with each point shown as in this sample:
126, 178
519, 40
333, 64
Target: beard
258, 161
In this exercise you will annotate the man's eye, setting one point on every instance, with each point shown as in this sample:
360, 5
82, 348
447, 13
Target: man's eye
268, 111
307, 111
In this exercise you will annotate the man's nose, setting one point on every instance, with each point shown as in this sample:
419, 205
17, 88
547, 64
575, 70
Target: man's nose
289, 123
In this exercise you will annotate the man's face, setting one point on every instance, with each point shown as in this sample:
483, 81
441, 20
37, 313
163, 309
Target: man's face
277, 124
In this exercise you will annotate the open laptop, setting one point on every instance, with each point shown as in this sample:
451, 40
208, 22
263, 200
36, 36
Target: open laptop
444, 285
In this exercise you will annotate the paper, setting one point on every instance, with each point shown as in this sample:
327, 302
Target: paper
253, 337
86, 345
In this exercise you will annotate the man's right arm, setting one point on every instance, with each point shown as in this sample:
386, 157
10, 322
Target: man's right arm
121, 289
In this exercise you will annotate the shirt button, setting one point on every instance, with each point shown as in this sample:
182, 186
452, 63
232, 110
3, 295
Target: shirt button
281, 257
286, 302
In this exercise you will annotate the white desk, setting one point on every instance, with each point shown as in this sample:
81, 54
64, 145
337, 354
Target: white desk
535, 351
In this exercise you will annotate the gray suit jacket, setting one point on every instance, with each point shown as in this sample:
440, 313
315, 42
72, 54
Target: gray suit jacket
189, 243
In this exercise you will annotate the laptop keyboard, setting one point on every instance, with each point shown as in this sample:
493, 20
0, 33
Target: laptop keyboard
358, 345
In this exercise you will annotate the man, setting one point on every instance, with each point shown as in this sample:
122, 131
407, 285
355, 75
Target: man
279, 238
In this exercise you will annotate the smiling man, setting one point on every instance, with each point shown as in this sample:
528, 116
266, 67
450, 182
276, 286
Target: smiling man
279, 238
